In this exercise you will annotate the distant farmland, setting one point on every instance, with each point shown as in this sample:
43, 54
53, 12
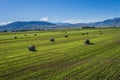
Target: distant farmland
67, 58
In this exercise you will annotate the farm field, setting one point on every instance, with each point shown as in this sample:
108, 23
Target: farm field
65, 59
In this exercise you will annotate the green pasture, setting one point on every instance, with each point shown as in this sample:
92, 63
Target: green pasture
65, 59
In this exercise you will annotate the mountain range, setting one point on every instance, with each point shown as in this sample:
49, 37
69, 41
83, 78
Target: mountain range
42, 25
106, 23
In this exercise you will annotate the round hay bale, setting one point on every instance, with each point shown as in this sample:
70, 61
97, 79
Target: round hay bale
32, 48
83, 33
15, 37
66, 36
87, 41
35, 34
25, 35
100, 33
52, 40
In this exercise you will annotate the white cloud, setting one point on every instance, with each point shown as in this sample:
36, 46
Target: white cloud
44, 19
4, 23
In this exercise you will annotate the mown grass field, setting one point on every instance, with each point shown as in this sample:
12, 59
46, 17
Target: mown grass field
64, 59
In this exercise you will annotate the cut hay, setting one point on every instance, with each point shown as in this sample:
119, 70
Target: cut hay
87, 41
32, 48
52, 40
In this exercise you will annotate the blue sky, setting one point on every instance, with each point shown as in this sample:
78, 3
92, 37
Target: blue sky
73, 11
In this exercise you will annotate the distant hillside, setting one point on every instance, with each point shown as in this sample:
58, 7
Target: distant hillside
105, 23
108, 23
32, 25
38, 25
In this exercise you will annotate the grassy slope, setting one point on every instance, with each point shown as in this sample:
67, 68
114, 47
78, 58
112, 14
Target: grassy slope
65, 59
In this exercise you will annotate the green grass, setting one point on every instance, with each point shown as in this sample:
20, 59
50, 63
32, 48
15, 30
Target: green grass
64, 59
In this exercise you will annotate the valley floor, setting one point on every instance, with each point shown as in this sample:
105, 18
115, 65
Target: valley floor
65, 59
